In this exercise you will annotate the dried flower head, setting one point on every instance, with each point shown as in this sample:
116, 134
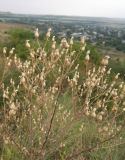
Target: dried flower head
87, 57
4, 50
105, 60
36, 33
27, 44
83, 40
12, 51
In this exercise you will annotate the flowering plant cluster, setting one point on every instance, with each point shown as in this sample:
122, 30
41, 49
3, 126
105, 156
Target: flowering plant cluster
58, 109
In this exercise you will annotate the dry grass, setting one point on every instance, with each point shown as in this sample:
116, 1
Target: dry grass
5, 27
114, 54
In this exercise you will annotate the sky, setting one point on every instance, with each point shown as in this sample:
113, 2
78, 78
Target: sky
92, 8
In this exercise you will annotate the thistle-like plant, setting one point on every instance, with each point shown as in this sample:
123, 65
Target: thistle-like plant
57, 108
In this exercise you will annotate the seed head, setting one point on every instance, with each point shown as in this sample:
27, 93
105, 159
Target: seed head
12, 50
27, 44
71, 40
4, 50
36, 33
105, 61
87, 57
83, 40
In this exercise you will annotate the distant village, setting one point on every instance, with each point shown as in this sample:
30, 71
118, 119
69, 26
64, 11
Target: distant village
97, 31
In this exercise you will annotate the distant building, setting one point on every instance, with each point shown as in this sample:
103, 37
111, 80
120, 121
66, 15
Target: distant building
123, 41
109, 33
95, 33
101, 35
77, 35
61, 34
119, 34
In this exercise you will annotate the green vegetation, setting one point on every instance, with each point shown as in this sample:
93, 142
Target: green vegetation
17, 40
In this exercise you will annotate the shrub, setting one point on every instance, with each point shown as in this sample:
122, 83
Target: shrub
59, 109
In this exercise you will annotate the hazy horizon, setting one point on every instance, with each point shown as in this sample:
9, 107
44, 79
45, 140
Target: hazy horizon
89, 8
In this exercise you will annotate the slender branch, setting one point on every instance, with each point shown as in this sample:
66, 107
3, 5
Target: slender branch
91, 148
50, 126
